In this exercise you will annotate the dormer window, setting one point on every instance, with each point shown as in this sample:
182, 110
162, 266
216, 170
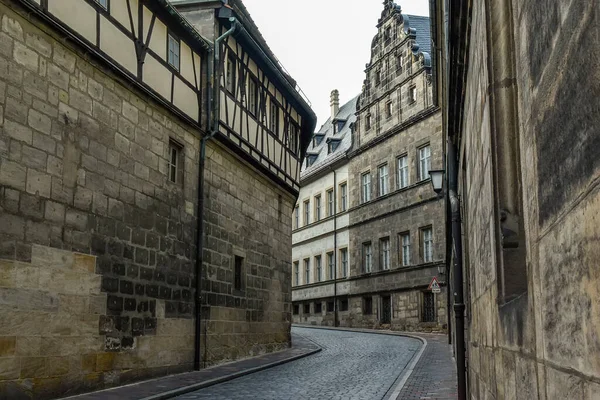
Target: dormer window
338, 124
317, 139
332, 145
310, 159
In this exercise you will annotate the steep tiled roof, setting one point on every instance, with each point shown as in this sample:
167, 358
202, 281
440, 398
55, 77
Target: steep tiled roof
347, 112
422, 25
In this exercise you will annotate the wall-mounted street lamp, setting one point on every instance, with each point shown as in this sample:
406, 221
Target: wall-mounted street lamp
437, 180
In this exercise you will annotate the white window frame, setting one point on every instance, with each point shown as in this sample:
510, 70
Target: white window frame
297, 272
344, 197
274, 117
344, 261
173, 51
385, 253
427, 240
424, 162
319, 268
306, 271
175, 162
231, 74
368, 257
253, 96
331, 265
297, 216
405, 246
383, 174
330, 203
403, 177
366, 187
318, 207
306, 212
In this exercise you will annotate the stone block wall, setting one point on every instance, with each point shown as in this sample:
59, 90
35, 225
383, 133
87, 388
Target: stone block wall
543, 344
248, 217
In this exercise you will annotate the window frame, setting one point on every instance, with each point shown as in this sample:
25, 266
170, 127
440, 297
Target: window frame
405, 248
368, 122
426, 314
424, 176
365, 187
343, 196
344, 262
172, 38
306, 310
318, 206
318, 307
400, 172
306, 213
176, 167
412, 94
105, 4
238, 279
274, 117
383, 184
367, 305
344, 304
426, 244
330, 203
384, 253
389, 109
297, 216
253, 96
295, 309
367, 257
307, 271
318, 269
297, 272
232, 72
331, 265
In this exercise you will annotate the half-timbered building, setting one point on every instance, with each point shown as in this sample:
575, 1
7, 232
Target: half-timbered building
149, 165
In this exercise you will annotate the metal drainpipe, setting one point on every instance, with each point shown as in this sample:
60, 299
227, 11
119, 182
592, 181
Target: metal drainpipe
459, 306
335, 307
214, 128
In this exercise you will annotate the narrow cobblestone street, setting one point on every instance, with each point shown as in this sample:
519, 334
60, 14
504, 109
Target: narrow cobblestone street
352, 365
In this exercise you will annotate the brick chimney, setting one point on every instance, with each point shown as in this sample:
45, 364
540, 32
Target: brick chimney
335, 103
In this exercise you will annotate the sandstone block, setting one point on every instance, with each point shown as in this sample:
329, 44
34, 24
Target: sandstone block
38, 183
9, 368
33, 367
12, 174
84, 263
15, 109
45, 108
80, 101
95, 89
35, 85
50, 257
29, 345
40, 122
34, 158
12, 27
25, 56
12, 225
7, 274
27, 277
8, 346
6, 44
54, 166
39, 44
63, 57
58, 77
130, 112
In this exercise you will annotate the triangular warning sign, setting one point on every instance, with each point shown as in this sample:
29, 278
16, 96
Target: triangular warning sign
434, 286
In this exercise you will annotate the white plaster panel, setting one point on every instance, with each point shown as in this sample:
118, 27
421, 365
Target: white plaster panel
185, 99
77, 14
158, 77
118, 46
158, 40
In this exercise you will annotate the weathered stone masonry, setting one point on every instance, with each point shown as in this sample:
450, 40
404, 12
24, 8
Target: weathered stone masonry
98, 244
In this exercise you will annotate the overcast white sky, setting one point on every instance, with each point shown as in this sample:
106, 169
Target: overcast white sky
324, 44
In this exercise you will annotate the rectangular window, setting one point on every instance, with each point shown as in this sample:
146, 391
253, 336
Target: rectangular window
384, 249
296, 273
296, 309
318, 269
399, 63
344, 260
378, 77
274, 121
344, 305
367, 305
330, 209
317, 208
306, 271
428, 307
306, 212
366, 187
330, 305
343, 197
402, 179
388, 109
231, 74
103, 3
253, 96
318, 307
293, 138
383, 180
368, 122
176, 162
331, 265
367, 257
412, 94
307, 309
424, 162
427, 244
405, 248
173, 56
239, 261
297, 217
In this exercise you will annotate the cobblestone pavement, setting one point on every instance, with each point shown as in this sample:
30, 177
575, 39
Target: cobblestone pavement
352, 365
434, 376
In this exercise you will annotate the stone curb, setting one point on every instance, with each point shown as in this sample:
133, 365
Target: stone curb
201, 385
395, 390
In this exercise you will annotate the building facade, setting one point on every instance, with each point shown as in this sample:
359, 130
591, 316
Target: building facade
524, 130
396, 223
320, 253
127, 236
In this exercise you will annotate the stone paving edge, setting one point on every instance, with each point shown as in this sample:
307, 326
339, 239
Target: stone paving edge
396, 388
201, 385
